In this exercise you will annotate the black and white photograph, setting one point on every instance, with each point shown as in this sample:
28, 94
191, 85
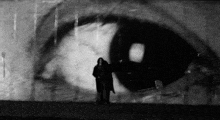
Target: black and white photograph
109, 59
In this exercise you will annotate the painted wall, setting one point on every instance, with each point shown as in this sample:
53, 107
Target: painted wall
26, 25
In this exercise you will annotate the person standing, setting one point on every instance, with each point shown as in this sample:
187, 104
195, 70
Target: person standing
104, 81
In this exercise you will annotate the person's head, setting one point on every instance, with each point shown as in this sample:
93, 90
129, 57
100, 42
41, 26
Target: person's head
100, 61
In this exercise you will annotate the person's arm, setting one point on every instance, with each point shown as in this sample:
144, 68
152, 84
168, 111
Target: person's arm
94, 72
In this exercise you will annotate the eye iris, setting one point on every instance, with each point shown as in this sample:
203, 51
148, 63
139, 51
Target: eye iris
166, 55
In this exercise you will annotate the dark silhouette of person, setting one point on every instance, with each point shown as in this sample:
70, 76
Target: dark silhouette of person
104, 81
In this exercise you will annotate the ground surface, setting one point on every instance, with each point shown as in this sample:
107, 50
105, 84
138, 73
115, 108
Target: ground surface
68, 110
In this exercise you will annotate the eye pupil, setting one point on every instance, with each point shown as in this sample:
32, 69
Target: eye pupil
160, 49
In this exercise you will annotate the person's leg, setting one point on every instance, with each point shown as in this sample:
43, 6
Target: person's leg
98, 97
106, 94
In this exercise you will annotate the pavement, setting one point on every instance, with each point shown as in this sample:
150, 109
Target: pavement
114, 111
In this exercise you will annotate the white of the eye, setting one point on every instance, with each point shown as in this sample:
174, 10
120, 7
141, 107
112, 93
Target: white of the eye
136, 52
80, 53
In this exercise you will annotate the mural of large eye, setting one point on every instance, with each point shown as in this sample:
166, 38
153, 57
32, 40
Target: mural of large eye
140, 51
163, 54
